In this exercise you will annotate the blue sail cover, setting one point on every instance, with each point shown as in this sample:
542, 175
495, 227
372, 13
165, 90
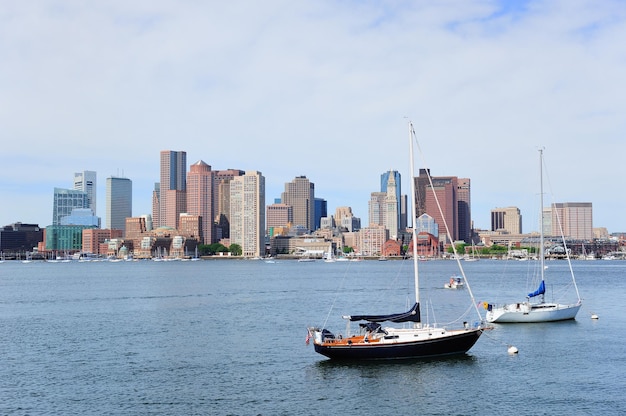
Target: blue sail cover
412, 315
540, 291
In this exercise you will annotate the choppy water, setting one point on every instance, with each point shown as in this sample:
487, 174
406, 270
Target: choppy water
227, 338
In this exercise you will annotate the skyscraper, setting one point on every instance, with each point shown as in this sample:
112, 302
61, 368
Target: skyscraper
442, 193
508, 219
300, 194
453, 195
172, 188
200, 197
119, 202
464, 210
86, 181
65, 200
247, 213
574, 218
221, 201
391, 217
401, 199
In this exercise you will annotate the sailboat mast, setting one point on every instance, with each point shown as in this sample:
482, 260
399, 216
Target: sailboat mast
541, 242
413, 212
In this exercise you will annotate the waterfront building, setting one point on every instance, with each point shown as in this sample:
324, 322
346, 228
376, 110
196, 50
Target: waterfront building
191, 227
65, 238
172, 187
575, 219
247, 213
20, 238
119, 202
506, 219
86, 181
65, 200
200, 197
94, 240
300, 194
278, 216
371, 239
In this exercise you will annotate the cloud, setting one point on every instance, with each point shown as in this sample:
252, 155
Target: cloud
319, 89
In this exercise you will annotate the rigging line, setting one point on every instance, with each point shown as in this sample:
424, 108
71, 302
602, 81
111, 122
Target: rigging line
445, 223
341, 286
558, 220
464, 314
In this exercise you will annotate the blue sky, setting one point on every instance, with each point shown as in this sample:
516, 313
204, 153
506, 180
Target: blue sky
316, 88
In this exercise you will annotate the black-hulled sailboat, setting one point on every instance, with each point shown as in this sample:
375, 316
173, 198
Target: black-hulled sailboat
415, 340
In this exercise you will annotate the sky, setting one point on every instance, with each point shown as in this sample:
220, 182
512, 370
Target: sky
317, 88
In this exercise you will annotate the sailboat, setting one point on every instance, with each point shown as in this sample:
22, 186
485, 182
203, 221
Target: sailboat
415, 340
531, 310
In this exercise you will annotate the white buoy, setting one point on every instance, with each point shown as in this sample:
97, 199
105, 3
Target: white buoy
594, 316
512, 350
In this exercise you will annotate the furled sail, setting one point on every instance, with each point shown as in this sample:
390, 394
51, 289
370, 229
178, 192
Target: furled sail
540, 291
412, 315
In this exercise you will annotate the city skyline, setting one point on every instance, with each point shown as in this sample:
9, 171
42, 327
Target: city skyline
316, 89
301, 186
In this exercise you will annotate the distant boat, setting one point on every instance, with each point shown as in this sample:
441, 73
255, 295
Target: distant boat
456, 282
328, 256
417, 340
542, 311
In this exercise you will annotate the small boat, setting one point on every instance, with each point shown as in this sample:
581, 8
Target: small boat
413, 339
529, 311
456, 282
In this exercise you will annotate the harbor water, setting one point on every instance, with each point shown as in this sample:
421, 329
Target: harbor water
227, 337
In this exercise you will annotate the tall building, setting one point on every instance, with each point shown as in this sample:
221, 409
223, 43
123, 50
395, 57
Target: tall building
200, 197
453, 195
391, 211
321, 210
401, 208
464, 211
119, 202
575, 218
443, 193
300, 194
376, 208
20, 238
221, 202
247, 213
278, 216
172, 188
86, 181
506, 219
65, 200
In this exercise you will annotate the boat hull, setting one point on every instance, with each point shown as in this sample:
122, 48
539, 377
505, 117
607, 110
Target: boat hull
525, 313
456, 342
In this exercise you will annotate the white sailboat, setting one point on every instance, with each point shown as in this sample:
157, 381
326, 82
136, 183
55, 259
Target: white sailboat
416, 340
530, 310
